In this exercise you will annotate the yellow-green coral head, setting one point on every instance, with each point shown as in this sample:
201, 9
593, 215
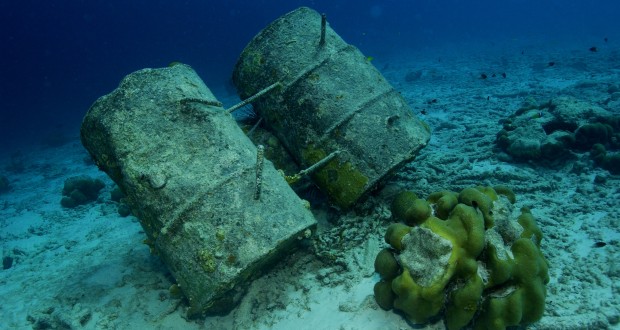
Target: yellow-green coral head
384, 294
479, 200
395, 233
419, 211
401, 203
386, 265
443, 203
481, 269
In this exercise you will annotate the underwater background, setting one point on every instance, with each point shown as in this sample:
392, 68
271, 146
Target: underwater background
59, 56
522, 99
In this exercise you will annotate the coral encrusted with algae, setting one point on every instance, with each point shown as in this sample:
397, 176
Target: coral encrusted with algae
474, 260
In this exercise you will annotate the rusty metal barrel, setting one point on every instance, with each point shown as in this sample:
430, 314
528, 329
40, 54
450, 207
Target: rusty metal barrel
331, 99
212, 208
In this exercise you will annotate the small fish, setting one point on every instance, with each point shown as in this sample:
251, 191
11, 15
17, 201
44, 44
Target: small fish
551, 63
605, 39
538, 114
503, 74
423, 112
369, 58
483, 76
599, 244
431, 101
493, 75
593, 49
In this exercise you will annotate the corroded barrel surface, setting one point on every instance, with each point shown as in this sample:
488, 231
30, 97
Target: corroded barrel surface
189, 175
332, 98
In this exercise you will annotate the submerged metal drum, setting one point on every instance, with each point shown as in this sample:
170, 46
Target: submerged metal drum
331, 99
189, 174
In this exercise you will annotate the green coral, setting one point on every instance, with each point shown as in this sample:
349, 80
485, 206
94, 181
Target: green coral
410, 209
443, 202
384, 294
506, 191
419, 303
79, 190
607, 160
402, 203
475, 264
463, 302
394, 235
419, 211
530, 229
521, 299
386, 265
592, 133
480, 198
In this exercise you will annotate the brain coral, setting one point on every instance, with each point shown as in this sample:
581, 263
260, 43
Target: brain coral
557, 129
474, 261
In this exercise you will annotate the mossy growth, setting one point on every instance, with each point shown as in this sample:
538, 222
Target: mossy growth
206, 260
340, 181
460, 267
220, 234
252, 65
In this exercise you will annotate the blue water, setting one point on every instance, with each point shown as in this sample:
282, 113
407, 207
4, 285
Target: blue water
57, 57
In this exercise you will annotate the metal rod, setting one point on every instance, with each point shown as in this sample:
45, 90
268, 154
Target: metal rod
253, 97
260, 157
291, 179
319, 164
323, 27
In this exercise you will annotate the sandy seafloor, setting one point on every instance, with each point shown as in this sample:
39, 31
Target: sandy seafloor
88, 268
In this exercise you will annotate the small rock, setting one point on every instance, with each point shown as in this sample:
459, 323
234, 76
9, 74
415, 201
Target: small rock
600, 179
